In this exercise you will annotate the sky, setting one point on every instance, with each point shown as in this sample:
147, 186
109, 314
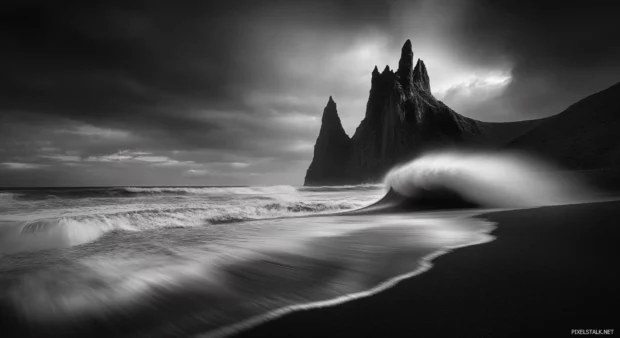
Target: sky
110, 93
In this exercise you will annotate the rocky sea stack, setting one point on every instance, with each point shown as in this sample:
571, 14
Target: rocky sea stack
331, 151
402, 120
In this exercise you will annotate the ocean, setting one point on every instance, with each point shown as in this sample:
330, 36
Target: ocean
208, 261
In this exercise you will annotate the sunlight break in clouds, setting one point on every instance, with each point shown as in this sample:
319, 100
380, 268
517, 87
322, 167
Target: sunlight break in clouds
481, 87
469, 95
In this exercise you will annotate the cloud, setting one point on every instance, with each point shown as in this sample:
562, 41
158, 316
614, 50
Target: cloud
63, 158
21, 166
195, 173
128, 156
92, 131
473, 95
239, 165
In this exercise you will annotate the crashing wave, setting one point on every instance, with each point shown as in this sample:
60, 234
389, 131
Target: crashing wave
68, 231
450, 179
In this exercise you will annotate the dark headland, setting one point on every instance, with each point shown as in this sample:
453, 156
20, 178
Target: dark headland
550, 270
403, 119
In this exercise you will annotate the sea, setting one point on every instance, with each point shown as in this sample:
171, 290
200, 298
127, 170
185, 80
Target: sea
211, 261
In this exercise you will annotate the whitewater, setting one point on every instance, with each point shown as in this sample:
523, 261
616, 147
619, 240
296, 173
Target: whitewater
208, 261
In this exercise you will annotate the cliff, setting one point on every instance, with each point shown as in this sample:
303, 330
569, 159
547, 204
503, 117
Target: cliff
402, 120
584, 136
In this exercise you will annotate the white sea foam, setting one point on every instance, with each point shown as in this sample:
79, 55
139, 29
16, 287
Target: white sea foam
238, 276
59, 232
486, 178
6, 196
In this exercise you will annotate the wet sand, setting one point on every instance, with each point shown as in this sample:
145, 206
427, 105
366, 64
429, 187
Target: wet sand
550, 270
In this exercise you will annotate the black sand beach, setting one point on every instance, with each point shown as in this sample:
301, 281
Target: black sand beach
550, 270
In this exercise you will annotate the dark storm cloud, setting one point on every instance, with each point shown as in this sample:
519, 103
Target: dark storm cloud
105, 63
560, 52
245, 82
194, 82
149, 67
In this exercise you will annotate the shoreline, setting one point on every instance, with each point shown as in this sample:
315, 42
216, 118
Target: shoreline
354, 314
426, 264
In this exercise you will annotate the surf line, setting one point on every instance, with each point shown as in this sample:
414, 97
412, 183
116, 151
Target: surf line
425, 265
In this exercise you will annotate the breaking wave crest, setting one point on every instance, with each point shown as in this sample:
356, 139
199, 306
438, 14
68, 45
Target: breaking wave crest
452, 179
62, 232
4, 196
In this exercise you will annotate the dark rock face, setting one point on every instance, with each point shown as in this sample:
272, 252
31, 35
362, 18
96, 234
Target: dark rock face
405, 67
584, 136
402, 120
332, 151
420, 77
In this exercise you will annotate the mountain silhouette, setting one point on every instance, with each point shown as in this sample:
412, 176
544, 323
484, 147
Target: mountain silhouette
402, 120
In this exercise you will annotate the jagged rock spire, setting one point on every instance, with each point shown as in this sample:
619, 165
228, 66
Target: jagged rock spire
331, 151
375, 72
420, 77
331, 103
375, 77
405, 66
331, 120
